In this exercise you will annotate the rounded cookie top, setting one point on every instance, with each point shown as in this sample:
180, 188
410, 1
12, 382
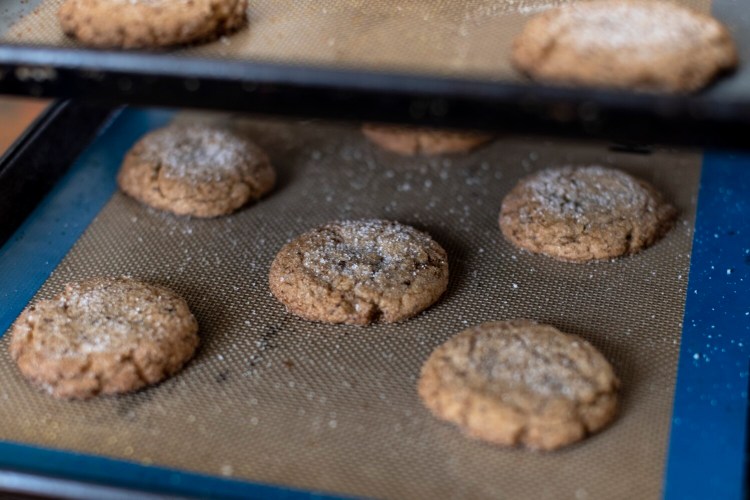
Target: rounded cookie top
584, 213
359, 272
520, 383
103, 336
150, 23
631, 44
409, 141
200, 170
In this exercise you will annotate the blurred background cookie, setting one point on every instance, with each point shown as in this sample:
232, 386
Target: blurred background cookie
410, 141
150, 23
628, 44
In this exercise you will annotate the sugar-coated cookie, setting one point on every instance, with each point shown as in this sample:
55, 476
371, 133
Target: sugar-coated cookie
200, 170
103, 336
359, 272
584, 213
520, 383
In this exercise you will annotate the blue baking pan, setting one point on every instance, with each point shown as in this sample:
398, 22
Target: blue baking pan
707, 442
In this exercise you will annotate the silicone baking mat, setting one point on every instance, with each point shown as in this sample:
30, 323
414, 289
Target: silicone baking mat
464, 39
271, 398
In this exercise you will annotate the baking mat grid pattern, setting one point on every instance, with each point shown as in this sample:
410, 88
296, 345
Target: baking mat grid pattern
464, 39
272, 398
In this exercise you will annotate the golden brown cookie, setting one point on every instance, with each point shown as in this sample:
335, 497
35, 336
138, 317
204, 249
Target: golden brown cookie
359, 272
629, 44
520, 383
584, 213
150, 23
200, 170
409, 141
103, 336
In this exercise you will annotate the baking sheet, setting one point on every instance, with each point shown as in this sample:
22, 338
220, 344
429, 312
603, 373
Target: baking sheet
273, 398
464, 39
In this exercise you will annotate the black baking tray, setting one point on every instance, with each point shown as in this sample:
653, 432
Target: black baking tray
716, 117
33, 164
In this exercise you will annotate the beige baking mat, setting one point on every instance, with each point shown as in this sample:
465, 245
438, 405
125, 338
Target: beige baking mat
460, 38
277, 399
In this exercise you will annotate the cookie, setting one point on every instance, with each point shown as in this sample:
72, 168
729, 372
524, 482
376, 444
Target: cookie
518, 382
359, 272
580, 214
198, 170
627, 44
134, 24
408, 141
103, 336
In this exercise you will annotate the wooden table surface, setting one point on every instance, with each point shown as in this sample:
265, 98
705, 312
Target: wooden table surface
15, 115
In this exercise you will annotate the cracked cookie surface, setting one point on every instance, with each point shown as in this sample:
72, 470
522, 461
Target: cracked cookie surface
199, 170
359, 272
413, 141
103, 336
580, 214
519, 382
134, 24
641, 45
